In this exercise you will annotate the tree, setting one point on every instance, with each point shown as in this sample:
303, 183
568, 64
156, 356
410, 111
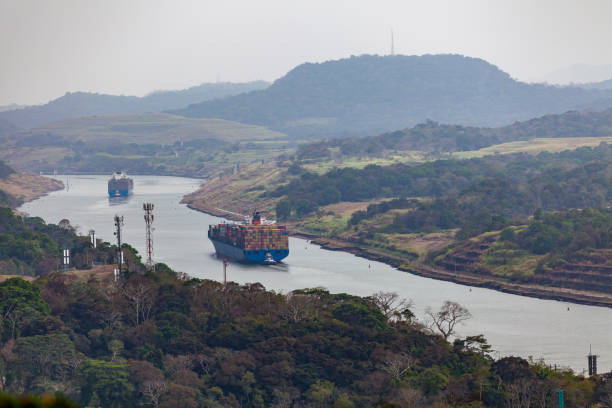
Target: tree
391, 305
115, 347
19, 300
139, 292
108, 381
397, 365
44, 355
283, 209
153, 390
446, 319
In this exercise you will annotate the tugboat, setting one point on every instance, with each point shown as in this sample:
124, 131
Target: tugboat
254, 241
120, 185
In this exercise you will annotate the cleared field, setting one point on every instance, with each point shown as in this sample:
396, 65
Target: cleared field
156, 128
535, 146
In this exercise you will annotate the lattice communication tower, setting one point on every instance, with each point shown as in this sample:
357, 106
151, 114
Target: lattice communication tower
148, 217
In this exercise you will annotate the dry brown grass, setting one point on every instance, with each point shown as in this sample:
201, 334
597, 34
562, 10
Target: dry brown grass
27, 187
5, 277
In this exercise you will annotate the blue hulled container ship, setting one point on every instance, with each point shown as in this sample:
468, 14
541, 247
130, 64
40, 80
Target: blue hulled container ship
120, 185
252, 242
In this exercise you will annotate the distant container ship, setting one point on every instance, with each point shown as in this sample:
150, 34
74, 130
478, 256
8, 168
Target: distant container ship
252, 242
120, 185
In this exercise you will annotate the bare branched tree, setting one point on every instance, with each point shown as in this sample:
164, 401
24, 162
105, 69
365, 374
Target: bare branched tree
409, 398
140, 294
396, 365
204, 361
390, 304
153, 390
446, 319
300, 306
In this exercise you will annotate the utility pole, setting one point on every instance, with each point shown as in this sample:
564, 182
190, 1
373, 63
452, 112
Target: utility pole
592, 360
225, 272
118, 226
92, 238
66, 259
148, 217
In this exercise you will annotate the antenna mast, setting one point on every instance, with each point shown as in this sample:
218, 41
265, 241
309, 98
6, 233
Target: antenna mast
148, 217
392, 45
118, 225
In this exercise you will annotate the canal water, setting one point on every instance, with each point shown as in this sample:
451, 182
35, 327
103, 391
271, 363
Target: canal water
558, 332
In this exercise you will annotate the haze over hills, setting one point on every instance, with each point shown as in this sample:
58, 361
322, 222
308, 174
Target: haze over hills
371, 94
6, 126
77, 104
433, 137
151, 143
578, 74
607, 84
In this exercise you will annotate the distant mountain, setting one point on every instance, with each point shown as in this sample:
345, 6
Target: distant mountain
578, 74
372, 94
12, 106
6, 126
77, 104
439, 138
607, 84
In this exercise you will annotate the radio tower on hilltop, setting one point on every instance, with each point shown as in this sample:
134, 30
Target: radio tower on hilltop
148, 217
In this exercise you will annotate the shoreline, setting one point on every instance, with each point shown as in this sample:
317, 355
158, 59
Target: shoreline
27, 187
426, 271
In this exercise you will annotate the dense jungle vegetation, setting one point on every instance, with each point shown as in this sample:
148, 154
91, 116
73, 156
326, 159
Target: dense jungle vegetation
164, 340
462, 190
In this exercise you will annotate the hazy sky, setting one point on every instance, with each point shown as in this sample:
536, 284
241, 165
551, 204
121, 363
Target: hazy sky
133, 47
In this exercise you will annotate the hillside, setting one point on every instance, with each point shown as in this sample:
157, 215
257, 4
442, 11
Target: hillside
165, 340
17, 188
372, 94
156, 143
77, 104
435, 138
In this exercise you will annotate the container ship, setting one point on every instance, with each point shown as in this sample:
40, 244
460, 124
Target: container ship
255, 241
120, 185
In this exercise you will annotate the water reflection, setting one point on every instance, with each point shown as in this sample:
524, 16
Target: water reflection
112, 201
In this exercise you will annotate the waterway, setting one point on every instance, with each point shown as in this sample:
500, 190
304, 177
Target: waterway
558, 332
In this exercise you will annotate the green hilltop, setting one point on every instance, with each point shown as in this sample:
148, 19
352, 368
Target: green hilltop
372, 94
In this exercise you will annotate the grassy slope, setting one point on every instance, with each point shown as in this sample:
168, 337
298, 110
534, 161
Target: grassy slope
23, 187
535, 146
238, 144
237, 192
157, 128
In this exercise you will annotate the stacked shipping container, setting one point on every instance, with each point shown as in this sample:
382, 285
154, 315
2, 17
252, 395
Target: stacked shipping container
253, 240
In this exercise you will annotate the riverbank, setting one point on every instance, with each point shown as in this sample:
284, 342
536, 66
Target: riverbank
462, 278
25, 187
417, 268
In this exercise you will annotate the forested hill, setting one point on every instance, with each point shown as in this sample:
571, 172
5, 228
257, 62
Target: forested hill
368, 94
77, 104
434, 137
163, 340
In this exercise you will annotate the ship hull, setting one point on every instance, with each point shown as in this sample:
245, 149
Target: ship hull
241, 255
119, 192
